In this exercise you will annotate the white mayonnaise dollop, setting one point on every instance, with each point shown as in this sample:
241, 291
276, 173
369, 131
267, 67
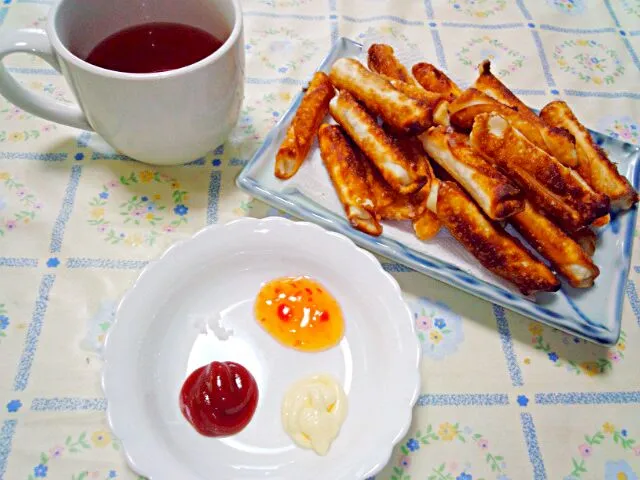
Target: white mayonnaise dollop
313, 410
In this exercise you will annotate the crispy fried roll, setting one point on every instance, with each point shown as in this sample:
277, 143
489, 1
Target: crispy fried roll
490, 244
436, 102
464, 109
412, 149
593, 164
397, 110
560, 143
493, 192
381, 59
562, 252
391, 205
376, 144
427, 225
349, 176
432, 79
299, 138
557, 190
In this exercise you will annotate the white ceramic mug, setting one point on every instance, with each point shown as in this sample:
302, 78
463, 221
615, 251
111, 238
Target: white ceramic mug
161, 118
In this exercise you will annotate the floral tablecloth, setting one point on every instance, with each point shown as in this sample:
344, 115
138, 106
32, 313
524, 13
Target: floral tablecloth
502, 397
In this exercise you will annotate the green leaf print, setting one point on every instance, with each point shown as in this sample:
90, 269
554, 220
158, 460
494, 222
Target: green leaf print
178, 196
578, 468
493, 462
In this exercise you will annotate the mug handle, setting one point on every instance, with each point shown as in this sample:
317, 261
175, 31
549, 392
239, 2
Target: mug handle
36, 42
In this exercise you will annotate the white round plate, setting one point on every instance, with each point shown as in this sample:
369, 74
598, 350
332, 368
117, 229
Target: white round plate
161, 335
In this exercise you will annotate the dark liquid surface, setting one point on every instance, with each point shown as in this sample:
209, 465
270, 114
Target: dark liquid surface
153, 47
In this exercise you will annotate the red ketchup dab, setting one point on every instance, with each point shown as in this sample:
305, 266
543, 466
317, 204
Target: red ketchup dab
219, 399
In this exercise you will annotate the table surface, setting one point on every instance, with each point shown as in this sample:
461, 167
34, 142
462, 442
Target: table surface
502, 397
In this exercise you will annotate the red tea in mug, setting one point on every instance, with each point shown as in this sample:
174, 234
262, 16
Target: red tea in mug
153, 47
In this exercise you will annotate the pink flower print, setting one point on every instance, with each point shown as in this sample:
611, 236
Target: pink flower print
423, 323
21, 193
95, 474
56, 451
613, 356
453, 466
636, 451
168, 229
138, 212
11, 224
102, 228
404, 461
112, 184
483, 443
38, 206
585, 450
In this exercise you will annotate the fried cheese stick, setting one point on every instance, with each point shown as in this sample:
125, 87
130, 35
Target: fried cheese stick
559, 142
299, 137
408, 207
395, 168
496, 250
564, 254
347, 169
472, 102
593, 164
397, 109
555, 189
436, 102
381, 59
493, 192
433, 80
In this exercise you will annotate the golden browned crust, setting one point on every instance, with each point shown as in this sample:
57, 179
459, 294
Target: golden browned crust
348, 173
381, 59
427, 225
593, 164
376, 144
488, 84
491, 190
391, 205
562, 252
552, 187
299, 137
397, 109
433, 80
559, 142
473, 102
412, 149
431, 99
490, 244
405, 207
436, 102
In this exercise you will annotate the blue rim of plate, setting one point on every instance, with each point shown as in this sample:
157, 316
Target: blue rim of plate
450, 274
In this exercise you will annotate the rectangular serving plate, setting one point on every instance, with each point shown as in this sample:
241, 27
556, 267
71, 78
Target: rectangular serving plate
593, 314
